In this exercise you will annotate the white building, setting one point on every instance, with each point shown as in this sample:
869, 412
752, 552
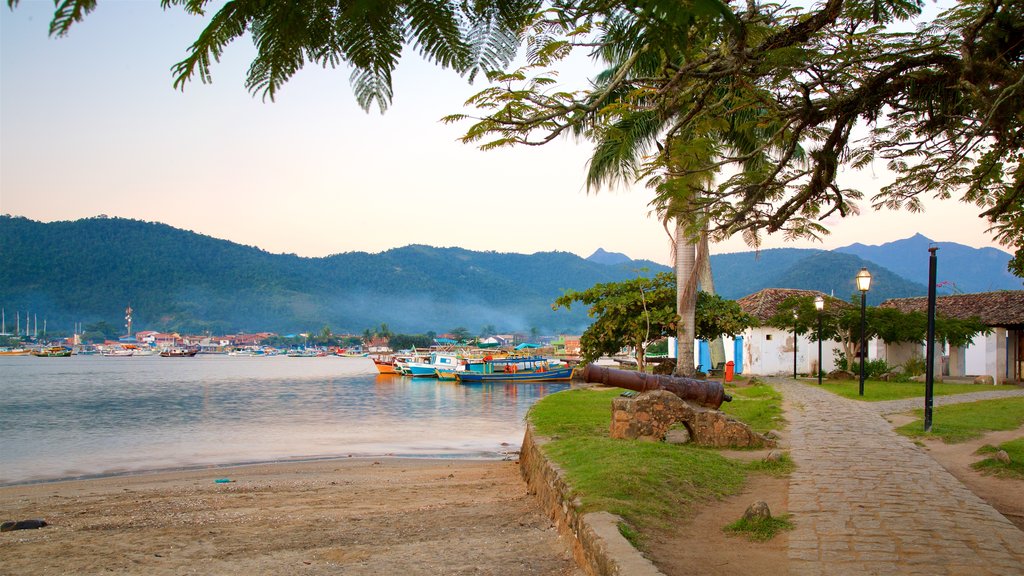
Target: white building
999, 354
770, 351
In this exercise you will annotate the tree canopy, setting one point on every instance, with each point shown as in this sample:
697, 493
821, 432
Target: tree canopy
815, 89
634, 313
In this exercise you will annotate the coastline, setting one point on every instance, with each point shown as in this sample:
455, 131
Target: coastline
363, 515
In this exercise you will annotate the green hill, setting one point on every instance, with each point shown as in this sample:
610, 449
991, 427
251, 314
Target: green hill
89, 270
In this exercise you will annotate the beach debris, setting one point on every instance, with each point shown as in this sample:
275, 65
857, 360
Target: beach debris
223, 481
22, 525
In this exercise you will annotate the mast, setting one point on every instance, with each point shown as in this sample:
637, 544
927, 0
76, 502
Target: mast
128, 319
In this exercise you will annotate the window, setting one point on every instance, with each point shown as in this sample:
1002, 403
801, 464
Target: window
767, 336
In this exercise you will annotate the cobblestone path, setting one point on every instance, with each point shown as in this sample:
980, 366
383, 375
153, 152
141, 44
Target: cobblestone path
894, 406
868, 501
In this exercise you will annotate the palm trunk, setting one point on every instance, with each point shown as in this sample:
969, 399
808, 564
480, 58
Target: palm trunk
686, 305
707, 284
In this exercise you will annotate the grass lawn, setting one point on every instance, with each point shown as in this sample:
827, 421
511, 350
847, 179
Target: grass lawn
878, 390
1015, 468
961, 422
760, 406
647, 483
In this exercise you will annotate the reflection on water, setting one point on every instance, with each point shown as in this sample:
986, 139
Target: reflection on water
84, 415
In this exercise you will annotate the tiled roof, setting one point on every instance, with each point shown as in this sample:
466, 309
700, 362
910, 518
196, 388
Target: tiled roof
765, 303
1002, 308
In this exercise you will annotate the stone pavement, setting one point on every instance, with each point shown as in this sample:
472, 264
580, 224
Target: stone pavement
866, 500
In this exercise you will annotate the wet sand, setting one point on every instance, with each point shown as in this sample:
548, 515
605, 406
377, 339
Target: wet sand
350, 516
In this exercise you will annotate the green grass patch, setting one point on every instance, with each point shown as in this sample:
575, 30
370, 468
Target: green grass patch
631, 534
759, 406
760, 529
782, 467
962, 422
647, 483
1015, 468
878, 390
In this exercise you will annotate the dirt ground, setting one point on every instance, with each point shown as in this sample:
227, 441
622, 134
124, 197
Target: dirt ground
387, 516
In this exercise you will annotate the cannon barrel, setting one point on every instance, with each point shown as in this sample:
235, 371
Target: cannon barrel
709, 393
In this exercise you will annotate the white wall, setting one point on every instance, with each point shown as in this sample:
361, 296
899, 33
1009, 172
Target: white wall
769, 351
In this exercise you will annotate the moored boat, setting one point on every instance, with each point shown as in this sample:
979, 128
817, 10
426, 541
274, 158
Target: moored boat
15, 351
178, 353
515, 369
52, 352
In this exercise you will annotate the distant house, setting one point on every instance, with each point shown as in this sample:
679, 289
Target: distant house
378, 345
999, 354
769, 351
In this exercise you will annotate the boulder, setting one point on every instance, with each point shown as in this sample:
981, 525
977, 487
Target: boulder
841, 375
1002, 456
757, 511
773, 456
984, 379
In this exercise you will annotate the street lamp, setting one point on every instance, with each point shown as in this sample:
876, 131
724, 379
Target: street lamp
863, 284
794, 342
819, 305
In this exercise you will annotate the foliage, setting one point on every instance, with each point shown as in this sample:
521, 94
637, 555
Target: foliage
879, 390
369, 37
717, 317
939, 105
915, 366
628, 313
1014, 469
658, 348
961, 422
410, 341
760, 529
842, 321
636, 312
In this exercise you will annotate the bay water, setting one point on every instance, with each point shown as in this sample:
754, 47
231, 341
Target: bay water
86, 416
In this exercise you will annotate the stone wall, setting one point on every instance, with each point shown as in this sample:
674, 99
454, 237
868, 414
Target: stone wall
598, 547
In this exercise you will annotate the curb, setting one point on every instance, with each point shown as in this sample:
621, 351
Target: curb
597, 546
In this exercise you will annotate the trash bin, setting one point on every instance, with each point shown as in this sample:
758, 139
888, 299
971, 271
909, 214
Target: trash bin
729, 370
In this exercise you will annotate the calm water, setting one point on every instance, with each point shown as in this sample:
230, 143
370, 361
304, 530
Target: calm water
87, 415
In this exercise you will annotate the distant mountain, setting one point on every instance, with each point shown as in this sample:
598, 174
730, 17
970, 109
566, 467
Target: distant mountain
742, 273
90, 270
611, 258
834, 273
969, 269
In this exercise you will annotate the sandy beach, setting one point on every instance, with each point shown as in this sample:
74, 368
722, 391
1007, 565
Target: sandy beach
348, 516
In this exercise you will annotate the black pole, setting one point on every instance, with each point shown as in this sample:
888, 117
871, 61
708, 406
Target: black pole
863, 334
819, 348
929, 371
794, 348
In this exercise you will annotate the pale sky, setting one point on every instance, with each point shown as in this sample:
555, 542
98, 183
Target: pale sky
90, 124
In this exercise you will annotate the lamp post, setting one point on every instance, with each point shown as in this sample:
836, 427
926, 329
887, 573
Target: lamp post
863, 284
819, 305
794, 342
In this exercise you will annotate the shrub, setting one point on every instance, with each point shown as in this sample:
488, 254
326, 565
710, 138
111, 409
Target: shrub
914, 366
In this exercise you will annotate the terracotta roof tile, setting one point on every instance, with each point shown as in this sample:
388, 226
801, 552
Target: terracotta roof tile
764, 304
1002, 308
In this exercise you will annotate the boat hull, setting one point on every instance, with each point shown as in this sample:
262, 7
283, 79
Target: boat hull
556, 375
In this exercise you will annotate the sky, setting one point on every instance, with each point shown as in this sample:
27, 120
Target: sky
90, 124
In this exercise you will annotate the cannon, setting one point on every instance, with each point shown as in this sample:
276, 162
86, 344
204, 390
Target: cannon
708, 393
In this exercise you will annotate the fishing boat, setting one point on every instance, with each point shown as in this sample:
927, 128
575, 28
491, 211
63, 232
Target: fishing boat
437, 361
178, 353
514, 369
14, 352
385, 364
449, 374
52, 352
117, 353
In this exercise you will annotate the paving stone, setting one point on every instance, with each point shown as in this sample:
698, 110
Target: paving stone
869, 501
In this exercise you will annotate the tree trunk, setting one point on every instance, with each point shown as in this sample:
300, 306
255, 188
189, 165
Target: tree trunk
707, 284
686, 300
